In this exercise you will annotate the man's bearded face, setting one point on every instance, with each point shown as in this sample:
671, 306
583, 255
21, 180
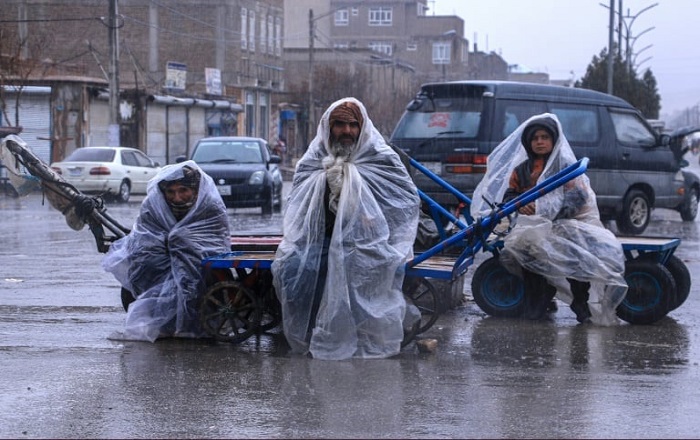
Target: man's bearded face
344, 137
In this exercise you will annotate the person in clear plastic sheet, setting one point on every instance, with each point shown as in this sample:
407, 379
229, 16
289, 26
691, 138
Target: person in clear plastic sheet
349, 226
182, 220
559, 245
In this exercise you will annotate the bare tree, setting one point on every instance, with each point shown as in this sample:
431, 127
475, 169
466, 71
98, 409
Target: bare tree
17, 69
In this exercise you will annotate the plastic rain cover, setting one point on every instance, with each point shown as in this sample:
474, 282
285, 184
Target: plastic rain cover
160, 259
577, 246
362, 311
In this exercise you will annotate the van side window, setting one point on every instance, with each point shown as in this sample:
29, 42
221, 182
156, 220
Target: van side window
630, 129
515, 113
580, 123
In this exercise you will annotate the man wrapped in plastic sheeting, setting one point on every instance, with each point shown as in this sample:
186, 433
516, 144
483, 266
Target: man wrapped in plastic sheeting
559, 237
182, 220
349, 226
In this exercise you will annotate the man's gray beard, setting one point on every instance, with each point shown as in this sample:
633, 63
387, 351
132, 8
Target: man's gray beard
340, 150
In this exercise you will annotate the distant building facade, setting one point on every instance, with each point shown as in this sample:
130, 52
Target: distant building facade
186, 69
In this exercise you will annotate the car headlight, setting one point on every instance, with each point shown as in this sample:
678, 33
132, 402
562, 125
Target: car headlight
257, 178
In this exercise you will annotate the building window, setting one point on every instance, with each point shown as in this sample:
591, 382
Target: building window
341, 46
278, 36
355, 12
422, 9
263, 34
380, 46
441, 53
341, 17
412, 46
244, 26
270, 36
251, 31
380, 16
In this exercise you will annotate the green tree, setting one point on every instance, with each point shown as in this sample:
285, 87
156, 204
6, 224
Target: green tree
640, 92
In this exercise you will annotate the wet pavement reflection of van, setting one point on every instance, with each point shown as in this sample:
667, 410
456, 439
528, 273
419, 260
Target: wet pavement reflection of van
451, 128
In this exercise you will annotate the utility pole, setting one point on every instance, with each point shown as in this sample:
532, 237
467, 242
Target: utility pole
113, 40
619, 28
611, 40
310, 116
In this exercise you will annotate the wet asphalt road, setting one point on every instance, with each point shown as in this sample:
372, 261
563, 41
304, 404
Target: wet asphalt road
61, 377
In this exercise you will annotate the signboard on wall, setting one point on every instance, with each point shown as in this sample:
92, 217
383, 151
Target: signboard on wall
213, 80
175, 75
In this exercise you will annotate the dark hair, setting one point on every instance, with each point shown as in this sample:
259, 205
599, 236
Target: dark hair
546, 124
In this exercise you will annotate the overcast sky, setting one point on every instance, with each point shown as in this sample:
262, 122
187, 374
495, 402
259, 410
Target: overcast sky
560, 36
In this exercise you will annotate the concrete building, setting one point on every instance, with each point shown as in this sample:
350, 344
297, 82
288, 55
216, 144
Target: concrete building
185, 69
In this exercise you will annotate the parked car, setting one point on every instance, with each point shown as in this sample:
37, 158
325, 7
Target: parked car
451, 127
244, 170
116, 172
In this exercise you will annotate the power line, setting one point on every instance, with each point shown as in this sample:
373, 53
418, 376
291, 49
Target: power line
49, 20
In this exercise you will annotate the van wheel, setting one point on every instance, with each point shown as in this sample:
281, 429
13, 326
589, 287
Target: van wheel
689, 210
636, 213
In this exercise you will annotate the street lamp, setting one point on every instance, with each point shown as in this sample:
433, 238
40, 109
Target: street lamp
634, 58
629, 39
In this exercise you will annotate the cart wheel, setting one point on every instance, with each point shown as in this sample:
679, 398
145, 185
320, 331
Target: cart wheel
230, 312
650, 293
681, 275
497, 291
424, 296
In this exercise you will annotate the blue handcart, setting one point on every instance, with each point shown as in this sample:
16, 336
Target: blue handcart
240, 301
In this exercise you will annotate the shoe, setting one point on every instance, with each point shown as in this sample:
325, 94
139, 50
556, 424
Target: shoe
583, 313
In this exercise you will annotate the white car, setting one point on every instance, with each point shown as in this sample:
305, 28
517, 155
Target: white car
113, 171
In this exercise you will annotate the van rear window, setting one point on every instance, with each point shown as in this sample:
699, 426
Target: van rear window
457, 117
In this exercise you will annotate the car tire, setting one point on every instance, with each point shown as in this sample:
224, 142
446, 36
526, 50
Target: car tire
636, 213
267, 205
124, 192
650, 294
497, 291
689, 209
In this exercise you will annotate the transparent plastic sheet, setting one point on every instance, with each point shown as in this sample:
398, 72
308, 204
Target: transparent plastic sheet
20, 179
363, 310
160, 259
59, 193
575, 246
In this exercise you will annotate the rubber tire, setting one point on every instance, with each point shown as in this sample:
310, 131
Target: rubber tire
635, 204
267, 205
650, 294
124, 192
681, 275
497, 291
689, 210
127, 298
